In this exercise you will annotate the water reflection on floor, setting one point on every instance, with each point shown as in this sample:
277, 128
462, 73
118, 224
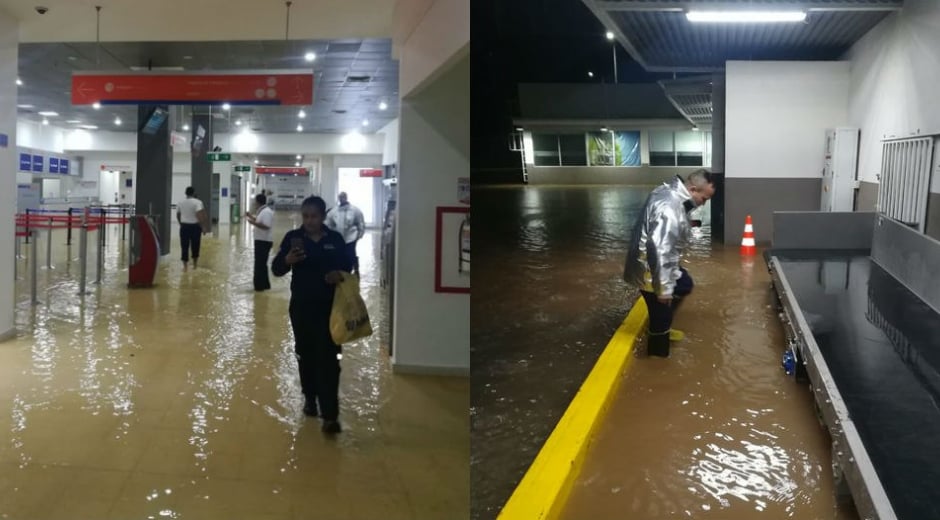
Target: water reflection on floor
183, 402
717, 430
546, 296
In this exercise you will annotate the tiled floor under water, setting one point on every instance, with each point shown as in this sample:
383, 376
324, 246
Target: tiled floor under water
182, 401
717, 430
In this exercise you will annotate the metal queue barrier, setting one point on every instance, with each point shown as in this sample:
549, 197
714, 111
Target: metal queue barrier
91, 218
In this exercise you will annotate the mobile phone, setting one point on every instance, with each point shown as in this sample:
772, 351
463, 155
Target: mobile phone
297, 243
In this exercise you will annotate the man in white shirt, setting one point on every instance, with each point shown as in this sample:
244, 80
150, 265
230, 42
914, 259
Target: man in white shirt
263, 221
348, 221
191, 215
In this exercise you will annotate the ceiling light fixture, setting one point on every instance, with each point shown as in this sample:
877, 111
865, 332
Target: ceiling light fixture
25, 106
300, 128
310, 56
383, 106
256, 161
89, 127
365, 122
298, 157
519, 129
19, 82
45, 121
48, 113
73, 121
590, 74
296, 164
238, 123
610, 35
603, 129
745, 16
117, 121
96, 105
185, 128
301, 114
695, 128
226, 106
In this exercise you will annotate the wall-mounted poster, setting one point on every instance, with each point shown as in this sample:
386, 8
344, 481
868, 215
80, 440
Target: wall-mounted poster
452, 251
613, 148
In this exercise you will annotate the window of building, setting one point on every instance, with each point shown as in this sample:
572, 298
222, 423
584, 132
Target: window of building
546, 149
683, 148
662, 148
573, 151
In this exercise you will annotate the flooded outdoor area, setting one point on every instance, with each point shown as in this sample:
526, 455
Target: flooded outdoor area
715, 431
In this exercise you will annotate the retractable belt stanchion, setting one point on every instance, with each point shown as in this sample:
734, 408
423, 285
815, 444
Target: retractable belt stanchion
33, 270
123, 221
49, 245
27, 226
100, 249
83, 252
68, 240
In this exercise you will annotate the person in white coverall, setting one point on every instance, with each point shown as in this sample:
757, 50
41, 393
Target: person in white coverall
347, 220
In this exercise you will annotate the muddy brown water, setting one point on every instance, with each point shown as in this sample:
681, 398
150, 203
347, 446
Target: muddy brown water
546, 296
717, 430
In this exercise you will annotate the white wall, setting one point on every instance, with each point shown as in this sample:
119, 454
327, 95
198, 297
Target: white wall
390, 151
432, 330
9, 30
895, 76
777, 113
32, 134
431, 35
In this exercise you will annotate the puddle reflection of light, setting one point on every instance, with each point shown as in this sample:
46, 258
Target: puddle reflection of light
747, 471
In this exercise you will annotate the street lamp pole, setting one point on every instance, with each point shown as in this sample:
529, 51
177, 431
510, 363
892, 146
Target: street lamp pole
613, 48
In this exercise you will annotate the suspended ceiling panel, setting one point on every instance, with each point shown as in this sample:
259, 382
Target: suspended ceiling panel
200, 20
657, 34
692, 97
352, 78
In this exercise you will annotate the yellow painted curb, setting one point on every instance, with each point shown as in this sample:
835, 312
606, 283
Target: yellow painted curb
543, 491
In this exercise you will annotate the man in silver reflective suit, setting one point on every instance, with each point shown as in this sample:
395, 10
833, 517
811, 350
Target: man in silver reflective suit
659, 237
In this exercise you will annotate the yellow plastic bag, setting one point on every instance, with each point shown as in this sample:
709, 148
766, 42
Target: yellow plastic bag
349, 318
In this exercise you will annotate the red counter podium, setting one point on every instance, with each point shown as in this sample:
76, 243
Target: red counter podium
144, 252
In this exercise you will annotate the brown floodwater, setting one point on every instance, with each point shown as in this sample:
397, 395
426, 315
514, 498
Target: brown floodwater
547, 294
717, 430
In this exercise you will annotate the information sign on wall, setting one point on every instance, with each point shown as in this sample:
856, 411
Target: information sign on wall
38, 163
26, 162
371, 172
463, 190
53, 165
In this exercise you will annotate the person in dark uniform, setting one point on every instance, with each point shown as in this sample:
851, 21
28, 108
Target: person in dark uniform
316, 255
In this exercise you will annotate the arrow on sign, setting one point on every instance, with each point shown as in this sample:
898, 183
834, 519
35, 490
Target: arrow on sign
84, 90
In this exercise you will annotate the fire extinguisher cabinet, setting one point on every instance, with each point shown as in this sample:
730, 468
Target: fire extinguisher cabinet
144, 252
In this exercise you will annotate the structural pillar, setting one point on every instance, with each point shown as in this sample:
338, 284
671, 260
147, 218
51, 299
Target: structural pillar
9, 31
155, 173
224, 170
202, 142
718, 158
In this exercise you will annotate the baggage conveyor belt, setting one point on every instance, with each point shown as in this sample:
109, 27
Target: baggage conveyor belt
871, 350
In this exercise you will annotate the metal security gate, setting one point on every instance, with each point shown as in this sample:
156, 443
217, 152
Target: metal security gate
905, 180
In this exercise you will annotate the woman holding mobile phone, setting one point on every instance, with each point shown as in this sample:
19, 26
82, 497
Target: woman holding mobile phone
316, 256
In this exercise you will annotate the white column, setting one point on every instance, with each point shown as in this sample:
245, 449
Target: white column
9, 31
224, 169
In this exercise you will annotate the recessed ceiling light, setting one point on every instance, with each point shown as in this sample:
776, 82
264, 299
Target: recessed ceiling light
48, 113
73, 121
310, 56
300, 128
695, 128
226, 106
603, 129
296, 164
117, 121
745, 16
45, 121
96, 105
383, 105
19, 82
187, 57
89, 127
590, 74
185, 127
73, 58
238, 123
518, 128
256, 161
25, 106
301, 114
298, 157
610, 35
365, 122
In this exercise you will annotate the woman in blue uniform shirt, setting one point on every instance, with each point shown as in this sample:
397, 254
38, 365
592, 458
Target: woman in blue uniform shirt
316, 256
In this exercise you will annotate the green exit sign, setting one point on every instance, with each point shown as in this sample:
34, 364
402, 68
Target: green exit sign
220, 157
243, 168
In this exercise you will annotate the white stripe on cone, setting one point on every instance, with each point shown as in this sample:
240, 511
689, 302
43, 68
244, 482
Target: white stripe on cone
748, 228
747, 242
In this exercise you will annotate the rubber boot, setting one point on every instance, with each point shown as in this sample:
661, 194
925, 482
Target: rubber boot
658, 344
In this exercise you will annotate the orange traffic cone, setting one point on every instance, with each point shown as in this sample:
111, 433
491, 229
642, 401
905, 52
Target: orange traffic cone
747, 241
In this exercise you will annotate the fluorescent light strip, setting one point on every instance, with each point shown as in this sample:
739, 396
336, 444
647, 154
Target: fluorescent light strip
745, 16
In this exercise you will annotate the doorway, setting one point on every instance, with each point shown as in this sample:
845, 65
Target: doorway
108, 186
361, 191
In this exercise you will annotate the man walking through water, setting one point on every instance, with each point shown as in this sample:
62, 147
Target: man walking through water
660, 236
347, 220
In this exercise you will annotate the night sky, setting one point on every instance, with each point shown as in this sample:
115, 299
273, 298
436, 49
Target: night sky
531, 41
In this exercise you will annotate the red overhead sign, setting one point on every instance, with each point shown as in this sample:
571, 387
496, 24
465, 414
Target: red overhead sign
281, 170
371, 173
257, 87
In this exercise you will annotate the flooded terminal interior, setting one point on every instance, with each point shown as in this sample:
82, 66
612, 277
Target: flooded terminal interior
219, 295
800, 374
